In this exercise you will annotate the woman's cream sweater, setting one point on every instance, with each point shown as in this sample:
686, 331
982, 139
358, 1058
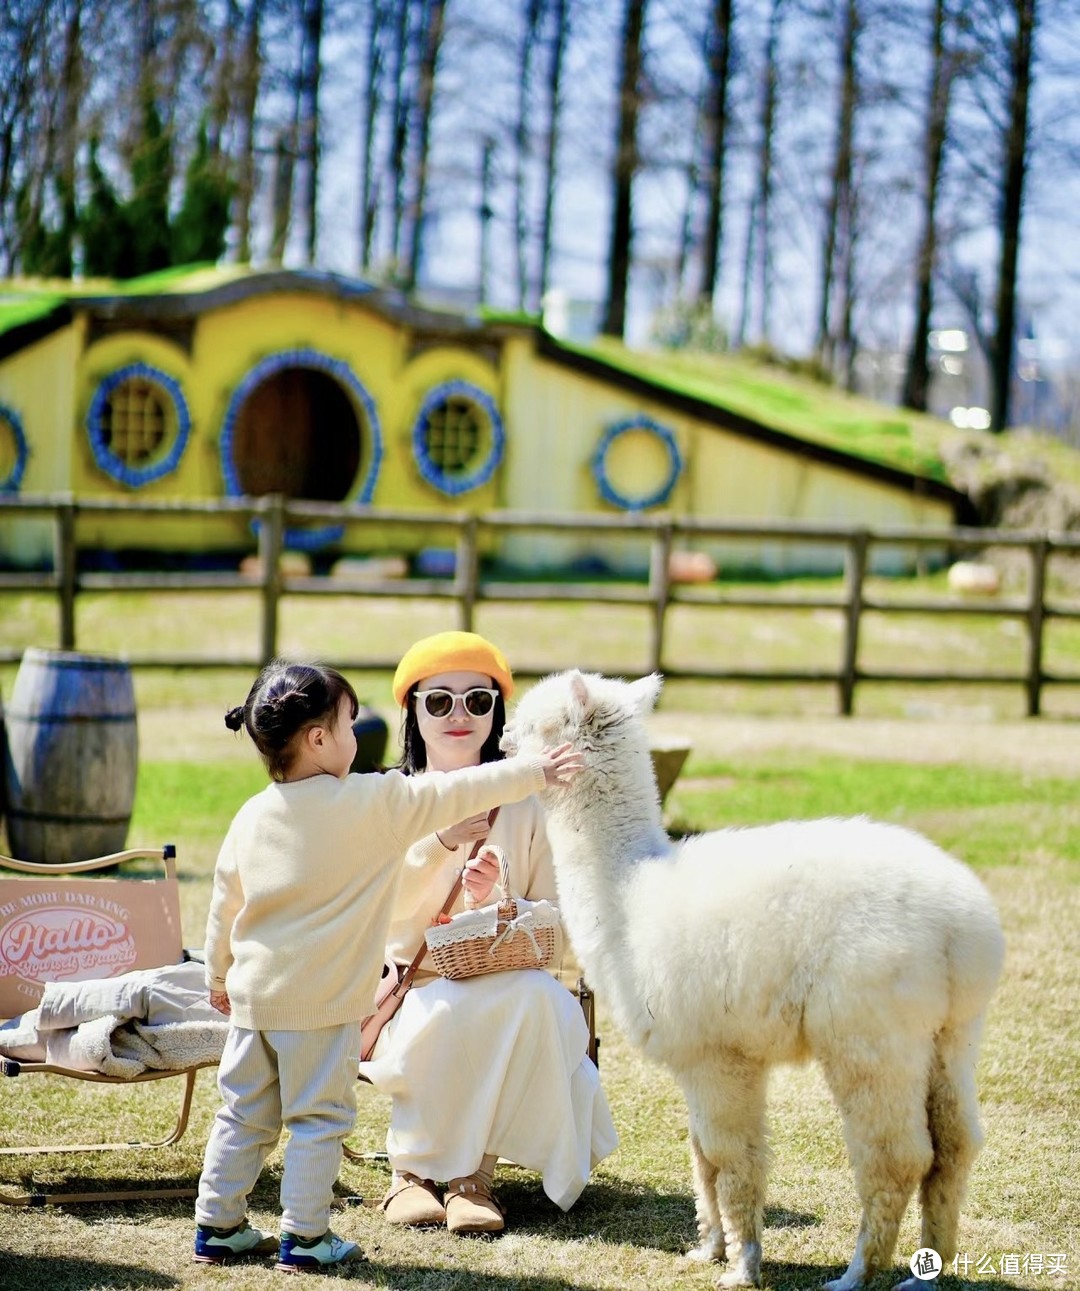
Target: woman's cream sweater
430, 870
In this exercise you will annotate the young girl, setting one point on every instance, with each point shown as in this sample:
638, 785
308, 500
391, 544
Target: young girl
494, 1065
294, 947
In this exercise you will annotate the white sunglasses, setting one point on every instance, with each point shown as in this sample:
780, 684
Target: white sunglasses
477, 702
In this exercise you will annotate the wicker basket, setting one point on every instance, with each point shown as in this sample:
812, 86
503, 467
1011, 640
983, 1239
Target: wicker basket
511, 934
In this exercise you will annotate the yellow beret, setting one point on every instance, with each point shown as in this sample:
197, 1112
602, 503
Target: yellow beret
451, 652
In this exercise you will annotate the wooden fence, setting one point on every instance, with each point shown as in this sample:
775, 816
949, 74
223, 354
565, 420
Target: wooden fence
467, 587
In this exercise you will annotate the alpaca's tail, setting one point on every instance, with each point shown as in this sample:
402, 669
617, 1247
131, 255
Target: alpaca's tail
953, 1115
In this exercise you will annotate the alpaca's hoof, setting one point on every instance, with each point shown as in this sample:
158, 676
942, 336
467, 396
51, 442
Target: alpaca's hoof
744, 1271
739, 1277
914, 1284
706, 1253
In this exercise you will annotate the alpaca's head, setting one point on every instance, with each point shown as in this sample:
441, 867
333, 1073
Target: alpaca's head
601, 716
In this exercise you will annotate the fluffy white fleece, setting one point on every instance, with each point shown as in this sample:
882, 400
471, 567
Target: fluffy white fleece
861, 945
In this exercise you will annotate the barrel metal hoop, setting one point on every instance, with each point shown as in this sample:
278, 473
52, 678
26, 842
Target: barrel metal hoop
68, 818
69, 718
56, 659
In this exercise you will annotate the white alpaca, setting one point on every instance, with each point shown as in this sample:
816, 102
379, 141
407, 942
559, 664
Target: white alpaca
859, 944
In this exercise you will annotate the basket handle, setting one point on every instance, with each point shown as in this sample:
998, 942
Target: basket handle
504, 868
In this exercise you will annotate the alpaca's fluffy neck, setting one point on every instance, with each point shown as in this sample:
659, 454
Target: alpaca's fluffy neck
601, 831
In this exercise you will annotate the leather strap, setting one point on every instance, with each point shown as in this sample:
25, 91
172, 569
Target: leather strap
410, 972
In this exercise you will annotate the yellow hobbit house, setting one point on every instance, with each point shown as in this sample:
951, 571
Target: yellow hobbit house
211, 383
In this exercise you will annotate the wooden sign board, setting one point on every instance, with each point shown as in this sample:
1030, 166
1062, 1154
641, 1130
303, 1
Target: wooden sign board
73, 930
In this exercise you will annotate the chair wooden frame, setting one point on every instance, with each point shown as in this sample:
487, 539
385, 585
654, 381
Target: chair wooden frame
156, 947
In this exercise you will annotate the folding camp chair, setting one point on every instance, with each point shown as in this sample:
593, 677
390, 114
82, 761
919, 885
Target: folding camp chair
116, 924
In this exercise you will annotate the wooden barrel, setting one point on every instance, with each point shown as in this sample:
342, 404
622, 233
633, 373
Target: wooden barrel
71, 757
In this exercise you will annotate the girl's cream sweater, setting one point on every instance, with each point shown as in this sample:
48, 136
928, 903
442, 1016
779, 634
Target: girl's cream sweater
305, 882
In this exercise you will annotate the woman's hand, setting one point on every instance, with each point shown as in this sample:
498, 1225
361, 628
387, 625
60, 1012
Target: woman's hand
561, 764
220, 1001
480, 876
467, 831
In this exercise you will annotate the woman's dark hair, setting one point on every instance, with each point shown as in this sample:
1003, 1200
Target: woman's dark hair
286, 699
413, 750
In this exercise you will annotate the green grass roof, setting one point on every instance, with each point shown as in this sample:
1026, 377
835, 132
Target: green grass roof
18, 308
798, 406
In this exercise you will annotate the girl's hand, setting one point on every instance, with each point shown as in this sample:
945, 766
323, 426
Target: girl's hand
465, 831
561, 764
480, 876
220, 1001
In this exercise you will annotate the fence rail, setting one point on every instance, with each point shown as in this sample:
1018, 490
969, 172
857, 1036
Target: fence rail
467, 588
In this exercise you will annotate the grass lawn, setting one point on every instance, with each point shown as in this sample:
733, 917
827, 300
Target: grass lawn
1000, 793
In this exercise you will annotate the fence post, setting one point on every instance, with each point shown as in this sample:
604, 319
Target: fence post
659, 590
1036, 617
854, 575
64, 562
465, 568
271, 542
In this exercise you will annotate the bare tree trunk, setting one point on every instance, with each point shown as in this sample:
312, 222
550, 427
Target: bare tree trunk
554, 82
741, 327
220, 58
485, 218
686, 224
71, 78
840, 185
281, 192
848, 341
1012, 205
626, 164
917, 376
372, 103
716, 120
425, 100
399, 133
286, 152
18, 133
769, 97
310, 68
247, 97
533, 14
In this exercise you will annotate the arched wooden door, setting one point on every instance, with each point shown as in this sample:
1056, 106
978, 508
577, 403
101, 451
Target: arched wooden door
297, 432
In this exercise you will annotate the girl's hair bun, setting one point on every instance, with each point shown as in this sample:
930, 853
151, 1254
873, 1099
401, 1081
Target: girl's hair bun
234, 718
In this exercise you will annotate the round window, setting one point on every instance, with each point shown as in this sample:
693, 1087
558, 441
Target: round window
12, 450
138, 424
458, 438
636, 464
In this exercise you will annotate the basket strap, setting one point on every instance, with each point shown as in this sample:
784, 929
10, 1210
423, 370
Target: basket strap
410, 972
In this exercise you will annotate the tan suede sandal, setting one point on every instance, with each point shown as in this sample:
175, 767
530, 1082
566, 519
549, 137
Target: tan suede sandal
413, 1202
471, 1207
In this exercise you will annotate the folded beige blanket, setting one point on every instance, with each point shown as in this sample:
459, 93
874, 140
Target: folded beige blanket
157, 1019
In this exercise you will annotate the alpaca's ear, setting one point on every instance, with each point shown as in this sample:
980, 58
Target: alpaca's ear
645, 692
580, 700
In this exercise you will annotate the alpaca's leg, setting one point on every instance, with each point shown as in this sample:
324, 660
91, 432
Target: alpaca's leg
726, 1096
954, 1131
710, 1245
882, 1099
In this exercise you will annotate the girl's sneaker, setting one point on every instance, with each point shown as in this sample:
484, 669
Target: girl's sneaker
223, 1245
306, 1255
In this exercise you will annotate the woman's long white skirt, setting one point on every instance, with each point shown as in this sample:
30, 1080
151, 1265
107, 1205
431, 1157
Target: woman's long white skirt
493, 1064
